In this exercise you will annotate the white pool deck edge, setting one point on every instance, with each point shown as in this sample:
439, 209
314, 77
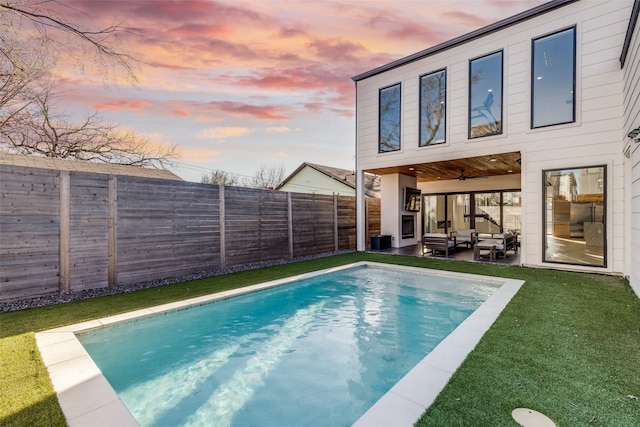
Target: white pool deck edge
88, 400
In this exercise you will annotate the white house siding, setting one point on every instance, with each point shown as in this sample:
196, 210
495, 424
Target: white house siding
309, 180
632, 177
594, 139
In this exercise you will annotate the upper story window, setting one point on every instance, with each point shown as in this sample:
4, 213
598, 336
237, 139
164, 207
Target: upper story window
433, 90
553, 79
485, 95
389, 121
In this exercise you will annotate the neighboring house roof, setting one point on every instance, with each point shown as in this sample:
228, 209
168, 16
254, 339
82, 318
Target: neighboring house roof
84, 166
344, 176
496, 26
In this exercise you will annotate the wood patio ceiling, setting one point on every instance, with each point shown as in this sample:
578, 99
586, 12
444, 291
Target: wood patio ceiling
493, 165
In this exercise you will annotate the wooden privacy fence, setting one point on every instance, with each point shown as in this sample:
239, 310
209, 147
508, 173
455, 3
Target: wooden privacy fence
65, 230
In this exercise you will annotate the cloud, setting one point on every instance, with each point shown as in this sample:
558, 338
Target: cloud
135, 105
199, 155
180, 112
465, 18
225, 132
279, 129
263, 112
199, 30
346, 50
404, 28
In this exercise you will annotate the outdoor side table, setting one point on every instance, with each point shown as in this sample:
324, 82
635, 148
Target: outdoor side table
481, 246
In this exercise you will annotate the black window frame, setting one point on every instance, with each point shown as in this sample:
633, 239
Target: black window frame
604, 216
469, 136
574, 29
420, 103
399, 118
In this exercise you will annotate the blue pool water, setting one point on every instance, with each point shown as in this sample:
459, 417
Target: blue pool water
319, 352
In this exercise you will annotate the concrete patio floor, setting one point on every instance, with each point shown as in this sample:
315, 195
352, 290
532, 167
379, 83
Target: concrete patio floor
460, 254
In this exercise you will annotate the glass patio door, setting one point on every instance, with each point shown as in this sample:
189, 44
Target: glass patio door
445, 213
488, 212
434, 214
459, 212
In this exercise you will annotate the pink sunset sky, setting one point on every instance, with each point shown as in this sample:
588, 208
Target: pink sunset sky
241, 84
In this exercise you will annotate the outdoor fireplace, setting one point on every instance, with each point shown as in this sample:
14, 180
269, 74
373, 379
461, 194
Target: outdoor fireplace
408, 226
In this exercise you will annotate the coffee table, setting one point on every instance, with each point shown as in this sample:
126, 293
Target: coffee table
480, 246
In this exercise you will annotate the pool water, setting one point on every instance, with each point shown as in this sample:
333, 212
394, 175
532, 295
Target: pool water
319, 352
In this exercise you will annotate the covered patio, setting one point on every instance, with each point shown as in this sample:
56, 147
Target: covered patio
460, 254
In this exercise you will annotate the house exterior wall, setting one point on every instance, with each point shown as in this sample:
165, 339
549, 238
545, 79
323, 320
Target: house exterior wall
309, 180
632, 160
592, 140
390, 223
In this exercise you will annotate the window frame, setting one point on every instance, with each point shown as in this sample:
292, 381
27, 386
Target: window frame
399, 118
469, 136
574, 30
420, 105
605, 215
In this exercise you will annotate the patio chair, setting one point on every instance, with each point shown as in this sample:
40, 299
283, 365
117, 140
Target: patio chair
438, 242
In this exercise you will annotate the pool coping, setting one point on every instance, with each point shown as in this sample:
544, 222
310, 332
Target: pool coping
87, 398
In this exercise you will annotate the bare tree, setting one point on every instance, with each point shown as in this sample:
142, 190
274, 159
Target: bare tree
38, 20
34, 39
267, 177
49, 134
216, 177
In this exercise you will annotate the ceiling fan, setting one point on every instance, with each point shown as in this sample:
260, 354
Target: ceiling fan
464, 177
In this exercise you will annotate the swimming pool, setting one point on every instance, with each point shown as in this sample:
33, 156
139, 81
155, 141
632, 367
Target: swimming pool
240, 361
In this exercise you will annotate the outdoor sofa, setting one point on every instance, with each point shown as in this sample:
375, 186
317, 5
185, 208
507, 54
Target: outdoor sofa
439, 242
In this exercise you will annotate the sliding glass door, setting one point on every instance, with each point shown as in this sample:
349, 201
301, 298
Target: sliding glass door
486, 212
488, 208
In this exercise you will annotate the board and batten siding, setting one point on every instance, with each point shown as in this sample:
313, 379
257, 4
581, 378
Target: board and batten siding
594, 138
64, 231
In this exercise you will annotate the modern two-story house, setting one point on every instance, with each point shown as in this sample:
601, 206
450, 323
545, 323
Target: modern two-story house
528, 125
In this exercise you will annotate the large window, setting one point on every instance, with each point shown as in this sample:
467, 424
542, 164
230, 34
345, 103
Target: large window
486, 212
433, 108
575, 216
389, 124
485, 95
553, 79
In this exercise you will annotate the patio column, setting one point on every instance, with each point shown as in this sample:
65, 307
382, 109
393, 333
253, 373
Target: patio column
361, 224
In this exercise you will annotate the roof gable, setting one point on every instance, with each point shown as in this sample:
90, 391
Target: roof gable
83, 166
344, 176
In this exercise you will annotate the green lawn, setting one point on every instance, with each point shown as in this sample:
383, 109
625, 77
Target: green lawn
568, 345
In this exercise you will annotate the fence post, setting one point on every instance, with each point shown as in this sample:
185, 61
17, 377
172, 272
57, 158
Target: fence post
223, 253
335, 221
367, 218
290, 224
65, 251
112, 233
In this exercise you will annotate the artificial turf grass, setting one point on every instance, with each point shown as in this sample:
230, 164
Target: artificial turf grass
26, 394
567, 345
53, 316
509, 367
